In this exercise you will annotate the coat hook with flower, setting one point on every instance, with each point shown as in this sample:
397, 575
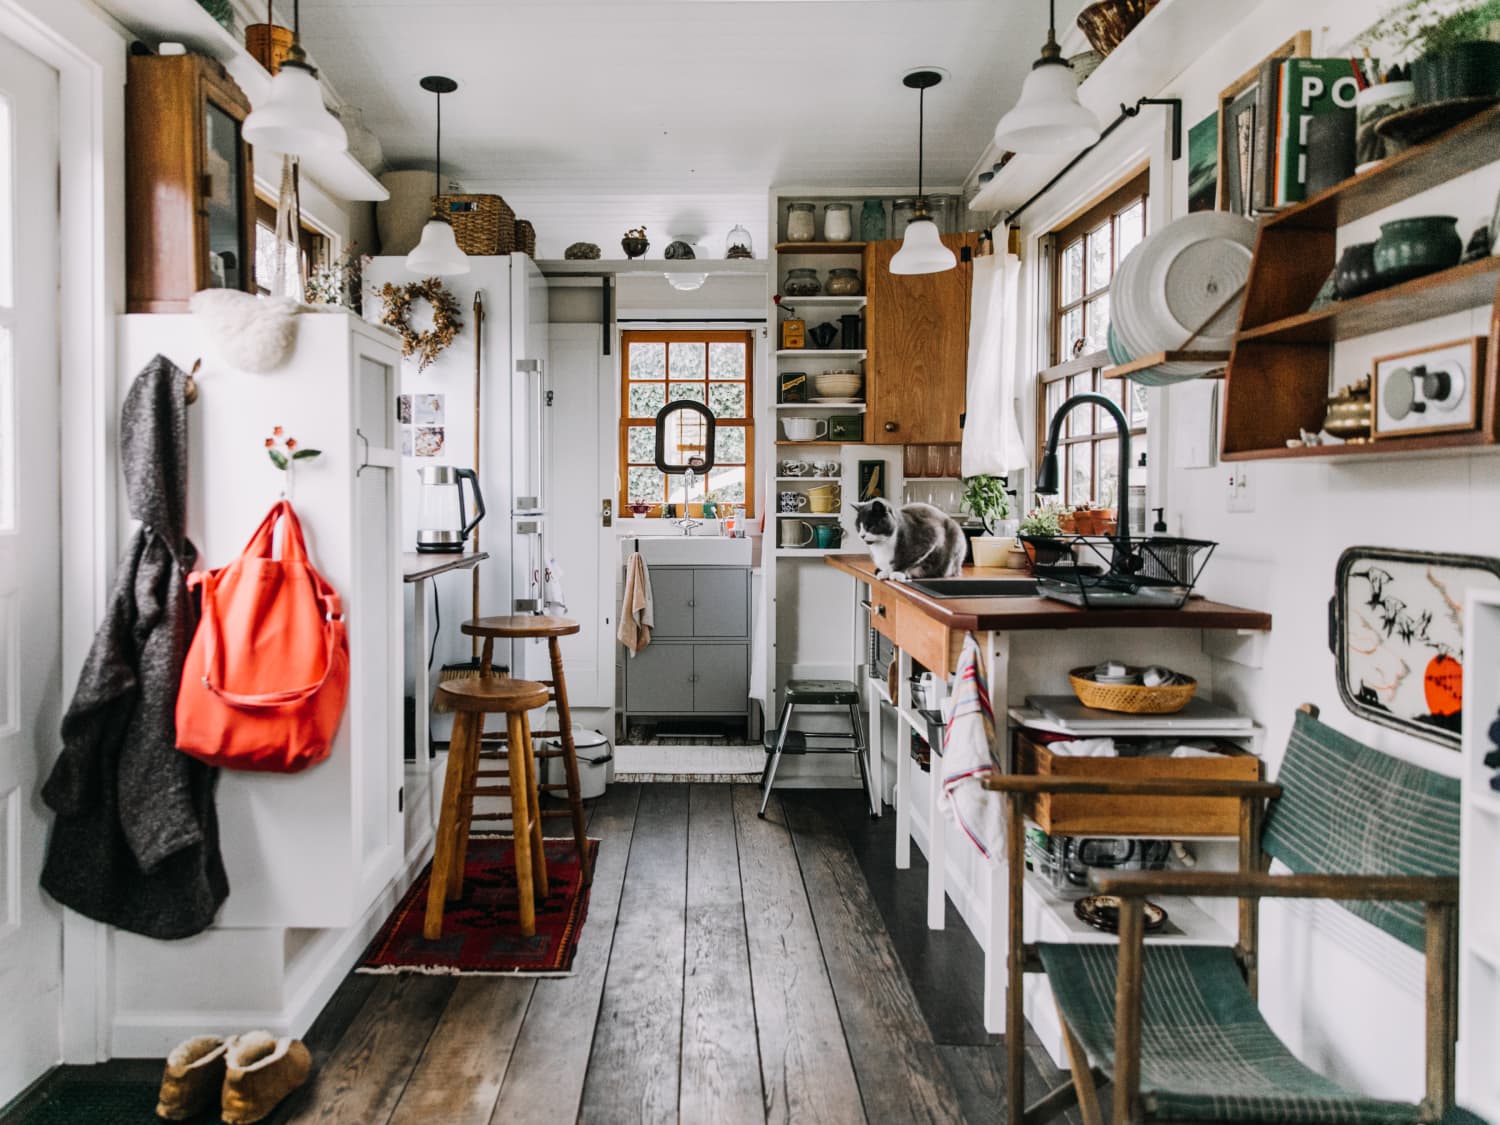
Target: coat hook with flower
283, 449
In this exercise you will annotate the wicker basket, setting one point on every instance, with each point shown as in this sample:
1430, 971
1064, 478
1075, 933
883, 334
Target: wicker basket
483, 224
525, 238
1133, 699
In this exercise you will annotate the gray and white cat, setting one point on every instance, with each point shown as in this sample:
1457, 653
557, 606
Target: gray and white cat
915, 541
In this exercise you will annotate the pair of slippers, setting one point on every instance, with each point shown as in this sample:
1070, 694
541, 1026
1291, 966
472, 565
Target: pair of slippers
248, 1075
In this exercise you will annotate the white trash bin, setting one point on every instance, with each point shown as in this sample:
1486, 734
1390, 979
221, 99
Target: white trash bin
596, 762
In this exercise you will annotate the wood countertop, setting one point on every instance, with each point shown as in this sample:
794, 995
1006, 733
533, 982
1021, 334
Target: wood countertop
984, 615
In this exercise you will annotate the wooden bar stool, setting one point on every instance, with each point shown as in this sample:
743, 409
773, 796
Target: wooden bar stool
525, 627
471, 700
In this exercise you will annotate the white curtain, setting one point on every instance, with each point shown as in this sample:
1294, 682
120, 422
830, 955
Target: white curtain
992, 432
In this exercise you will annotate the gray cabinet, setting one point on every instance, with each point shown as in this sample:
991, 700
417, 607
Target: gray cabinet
698, 661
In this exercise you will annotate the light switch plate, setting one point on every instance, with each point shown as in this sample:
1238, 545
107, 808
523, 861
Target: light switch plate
1241, 494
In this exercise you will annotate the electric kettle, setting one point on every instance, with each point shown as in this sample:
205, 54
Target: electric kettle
442, 524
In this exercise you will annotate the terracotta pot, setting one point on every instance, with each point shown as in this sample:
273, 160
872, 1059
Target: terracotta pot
1106, 23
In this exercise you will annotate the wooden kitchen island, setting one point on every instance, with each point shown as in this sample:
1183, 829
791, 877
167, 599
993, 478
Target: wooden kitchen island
930, 632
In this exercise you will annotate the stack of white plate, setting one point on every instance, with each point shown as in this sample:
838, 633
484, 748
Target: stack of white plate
1170, 286
838, 386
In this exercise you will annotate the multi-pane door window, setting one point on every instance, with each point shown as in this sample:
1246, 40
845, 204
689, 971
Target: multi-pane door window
1086, 253
714, 368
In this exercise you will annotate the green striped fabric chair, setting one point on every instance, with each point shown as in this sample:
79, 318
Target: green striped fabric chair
1375, 833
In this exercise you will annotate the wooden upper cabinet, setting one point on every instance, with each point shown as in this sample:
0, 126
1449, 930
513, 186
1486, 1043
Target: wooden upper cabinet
918, 341
189, 183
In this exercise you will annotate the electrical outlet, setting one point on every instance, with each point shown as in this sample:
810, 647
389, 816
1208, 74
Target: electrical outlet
1241, 495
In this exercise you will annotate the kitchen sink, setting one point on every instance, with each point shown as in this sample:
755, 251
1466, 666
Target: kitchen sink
976, 587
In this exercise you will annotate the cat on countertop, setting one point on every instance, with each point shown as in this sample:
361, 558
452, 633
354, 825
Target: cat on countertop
914, 541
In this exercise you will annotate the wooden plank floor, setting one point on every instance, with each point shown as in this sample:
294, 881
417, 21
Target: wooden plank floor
732, 970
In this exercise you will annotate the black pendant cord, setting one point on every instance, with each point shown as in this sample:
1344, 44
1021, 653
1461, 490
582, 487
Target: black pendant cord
296, 21
437, 171
921, 132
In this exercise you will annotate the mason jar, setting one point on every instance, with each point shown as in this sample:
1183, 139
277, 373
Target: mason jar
801, 222
838, 223
801, 283
902, 211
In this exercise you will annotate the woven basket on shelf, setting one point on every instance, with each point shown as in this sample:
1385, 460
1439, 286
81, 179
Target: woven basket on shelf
525, 238
483, 224
1134, 699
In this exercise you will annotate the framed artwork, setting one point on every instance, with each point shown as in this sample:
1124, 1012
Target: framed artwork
1246, 126
1203, 164
872, 476
1397, 634
1428, 390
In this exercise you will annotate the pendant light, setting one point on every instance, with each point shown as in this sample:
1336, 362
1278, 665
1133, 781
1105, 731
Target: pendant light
294, 121
438, 255
1048, 118
922, 249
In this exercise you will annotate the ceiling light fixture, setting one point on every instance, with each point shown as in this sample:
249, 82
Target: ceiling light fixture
437, 254
922, 249
1048, 117
294, 121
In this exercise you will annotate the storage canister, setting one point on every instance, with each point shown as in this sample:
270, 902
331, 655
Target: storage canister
901, 212
801, 283
596, 762
843, 282
838, 224
801, 222
872, 220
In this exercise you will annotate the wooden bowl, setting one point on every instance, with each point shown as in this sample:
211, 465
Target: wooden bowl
1106, 23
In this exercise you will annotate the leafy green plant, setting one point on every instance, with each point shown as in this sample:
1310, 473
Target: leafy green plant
985, 498
1043, 521
1430, 27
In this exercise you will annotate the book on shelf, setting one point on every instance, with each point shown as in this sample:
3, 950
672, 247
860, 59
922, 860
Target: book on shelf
1307, 88
1267, 107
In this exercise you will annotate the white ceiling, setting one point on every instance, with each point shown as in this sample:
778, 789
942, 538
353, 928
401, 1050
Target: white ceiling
679, 97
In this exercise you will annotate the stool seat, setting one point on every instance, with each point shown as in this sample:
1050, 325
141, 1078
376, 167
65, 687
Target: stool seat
494, 695
811, 693
524, 625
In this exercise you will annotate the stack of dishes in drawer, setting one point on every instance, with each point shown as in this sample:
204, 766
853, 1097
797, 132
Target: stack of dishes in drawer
1181, 288
838, 386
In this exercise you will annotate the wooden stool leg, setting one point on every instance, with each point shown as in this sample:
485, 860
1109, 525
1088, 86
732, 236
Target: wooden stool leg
534, 803
570, 763
516, 752
442, 861
473, 733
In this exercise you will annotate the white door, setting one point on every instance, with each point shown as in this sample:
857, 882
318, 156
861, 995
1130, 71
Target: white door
582, 475
30, 563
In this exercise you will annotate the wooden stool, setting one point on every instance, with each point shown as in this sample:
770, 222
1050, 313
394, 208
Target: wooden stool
528, 627
471, 700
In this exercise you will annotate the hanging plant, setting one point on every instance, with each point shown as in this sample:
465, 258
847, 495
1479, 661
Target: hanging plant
447, 322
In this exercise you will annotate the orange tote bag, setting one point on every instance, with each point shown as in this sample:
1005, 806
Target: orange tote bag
267, 674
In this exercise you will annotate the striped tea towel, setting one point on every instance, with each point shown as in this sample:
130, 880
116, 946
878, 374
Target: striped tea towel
967, 740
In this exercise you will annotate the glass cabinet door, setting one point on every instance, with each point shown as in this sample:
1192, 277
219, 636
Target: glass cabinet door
222, 200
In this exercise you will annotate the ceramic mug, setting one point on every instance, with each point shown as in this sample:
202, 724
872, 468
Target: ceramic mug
804, 429
824, 498
794, 468
791, 501
828, 535
795, 533
827, 468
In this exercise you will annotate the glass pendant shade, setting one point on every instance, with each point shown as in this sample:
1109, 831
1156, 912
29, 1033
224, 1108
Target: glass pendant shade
294, 121
437, 254
686, 282
1048, 118
922, 249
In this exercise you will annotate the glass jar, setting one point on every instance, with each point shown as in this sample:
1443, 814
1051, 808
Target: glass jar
737, 245
838, 223
844, 282
801, 222
801, 283
872, 220
901, 212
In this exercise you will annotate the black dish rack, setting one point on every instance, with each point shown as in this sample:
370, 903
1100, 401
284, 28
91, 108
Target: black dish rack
1095, 572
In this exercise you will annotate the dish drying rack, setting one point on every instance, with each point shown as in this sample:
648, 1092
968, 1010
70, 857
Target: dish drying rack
1094, 572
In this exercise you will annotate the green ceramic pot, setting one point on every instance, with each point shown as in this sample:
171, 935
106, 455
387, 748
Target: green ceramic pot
1409, 248
1465, 70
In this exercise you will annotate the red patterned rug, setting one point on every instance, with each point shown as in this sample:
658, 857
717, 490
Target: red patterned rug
482, 929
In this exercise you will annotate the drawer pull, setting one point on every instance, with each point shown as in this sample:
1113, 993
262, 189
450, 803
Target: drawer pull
891, 427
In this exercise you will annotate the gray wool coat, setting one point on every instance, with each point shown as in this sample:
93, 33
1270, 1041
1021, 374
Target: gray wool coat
136, 839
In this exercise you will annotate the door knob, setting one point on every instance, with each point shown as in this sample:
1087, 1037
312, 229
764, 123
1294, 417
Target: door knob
607, 513
891, 427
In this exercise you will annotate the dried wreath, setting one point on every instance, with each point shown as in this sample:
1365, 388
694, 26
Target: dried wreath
446, 320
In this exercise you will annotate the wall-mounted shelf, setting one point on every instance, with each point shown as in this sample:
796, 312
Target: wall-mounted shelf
820, 353
183, 21
812, 445
1156, 359
816, 552
841, 407
615, 267
1277, 381
807, 515
822, 302
799, 480
820, 248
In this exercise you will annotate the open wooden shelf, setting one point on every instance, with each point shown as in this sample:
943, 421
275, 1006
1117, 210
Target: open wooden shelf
1277, 380
1156, 359
819, 248
1437, 294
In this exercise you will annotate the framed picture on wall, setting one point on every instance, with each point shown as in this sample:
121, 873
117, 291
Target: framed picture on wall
1428, 390
1397, 635
1247, 130
871, 480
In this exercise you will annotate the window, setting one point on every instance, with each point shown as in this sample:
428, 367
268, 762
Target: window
314, 251
709, 367
1085, 253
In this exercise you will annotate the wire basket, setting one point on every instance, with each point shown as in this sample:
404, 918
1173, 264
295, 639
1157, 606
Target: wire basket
1118, 573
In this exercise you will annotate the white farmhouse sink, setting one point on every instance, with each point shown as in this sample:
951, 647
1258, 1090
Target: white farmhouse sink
689, 550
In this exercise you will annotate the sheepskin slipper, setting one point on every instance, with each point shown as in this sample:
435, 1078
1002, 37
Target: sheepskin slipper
261, 1071
251, 333
192, 1079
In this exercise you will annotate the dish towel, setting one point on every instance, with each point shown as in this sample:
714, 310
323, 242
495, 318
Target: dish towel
967, 760
636, 615
992, 434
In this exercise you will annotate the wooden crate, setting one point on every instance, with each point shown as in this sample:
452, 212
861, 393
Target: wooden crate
1165, 817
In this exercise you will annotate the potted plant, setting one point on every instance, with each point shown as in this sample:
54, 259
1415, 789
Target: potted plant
1040, 532
1448, 43
986, 501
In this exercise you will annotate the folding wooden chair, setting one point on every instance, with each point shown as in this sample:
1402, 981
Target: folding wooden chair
1374, 833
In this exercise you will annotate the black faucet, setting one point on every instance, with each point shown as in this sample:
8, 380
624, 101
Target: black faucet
1046, 477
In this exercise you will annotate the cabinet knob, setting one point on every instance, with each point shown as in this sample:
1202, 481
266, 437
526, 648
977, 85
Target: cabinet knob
693, 678
880, 611
892, 427
691, 603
